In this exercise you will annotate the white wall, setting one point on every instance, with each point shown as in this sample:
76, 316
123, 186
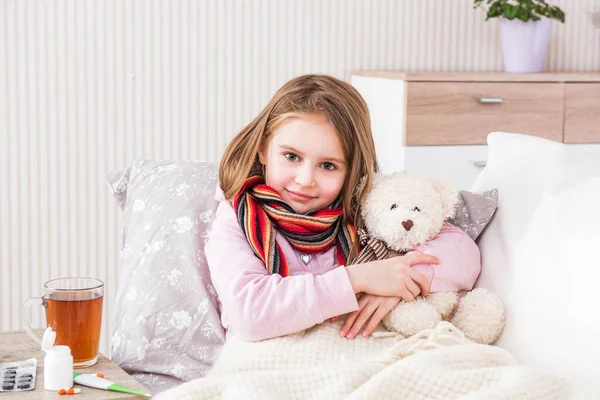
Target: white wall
87, 86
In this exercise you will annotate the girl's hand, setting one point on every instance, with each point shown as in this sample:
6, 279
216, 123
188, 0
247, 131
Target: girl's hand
391, 277
369, 306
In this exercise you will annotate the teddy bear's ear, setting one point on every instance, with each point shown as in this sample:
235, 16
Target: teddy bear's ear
449, 198
377, 179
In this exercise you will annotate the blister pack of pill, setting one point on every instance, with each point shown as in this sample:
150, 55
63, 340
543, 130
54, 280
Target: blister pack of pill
18, 376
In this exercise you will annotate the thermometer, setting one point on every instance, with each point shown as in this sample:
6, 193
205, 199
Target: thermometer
96, 382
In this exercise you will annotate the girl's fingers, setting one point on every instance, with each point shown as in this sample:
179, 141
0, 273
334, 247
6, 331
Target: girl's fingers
406, 295
348, 323
362, 319
413, 288
421, 280
420, 258
363, 300
375, 320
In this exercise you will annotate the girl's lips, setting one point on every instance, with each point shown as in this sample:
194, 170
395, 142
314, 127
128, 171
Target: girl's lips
300, 196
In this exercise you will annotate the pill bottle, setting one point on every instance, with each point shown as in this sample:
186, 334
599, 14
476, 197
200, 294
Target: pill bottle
58, 363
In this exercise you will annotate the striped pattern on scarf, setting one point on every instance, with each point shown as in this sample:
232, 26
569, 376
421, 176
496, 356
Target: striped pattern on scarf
260, 210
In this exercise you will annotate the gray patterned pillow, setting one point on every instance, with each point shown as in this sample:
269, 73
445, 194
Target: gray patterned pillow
167, 326
474, 211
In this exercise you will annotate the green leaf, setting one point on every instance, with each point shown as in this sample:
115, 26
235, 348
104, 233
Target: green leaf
524, 10
493, 11
523, 15
510, 11
558, 14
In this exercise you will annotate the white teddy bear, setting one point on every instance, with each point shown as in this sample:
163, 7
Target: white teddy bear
401, 212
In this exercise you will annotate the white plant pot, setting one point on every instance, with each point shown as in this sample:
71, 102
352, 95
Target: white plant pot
525, 44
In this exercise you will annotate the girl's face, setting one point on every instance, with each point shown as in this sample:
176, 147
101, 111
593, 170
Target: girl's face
304, 161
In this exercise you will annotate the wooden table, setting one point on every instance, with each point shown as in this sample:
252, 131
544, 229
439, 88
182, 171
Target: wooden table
18, 346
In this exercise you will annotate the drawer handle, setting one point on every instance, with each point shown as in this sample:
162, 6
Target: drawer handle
480, 164
490, 100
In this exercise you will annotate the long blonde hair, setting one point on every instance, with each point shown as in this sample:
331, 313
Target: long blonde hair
343, 107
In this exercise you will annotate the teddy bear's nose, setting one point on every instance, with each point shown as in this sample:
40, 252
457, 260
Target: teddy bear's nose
407, 225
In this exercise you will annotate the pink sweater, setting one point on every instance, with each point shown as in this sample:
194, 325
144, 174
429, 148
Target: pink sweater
257, 306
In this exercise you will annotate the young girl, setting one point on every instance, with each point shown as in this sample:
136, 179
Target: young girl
284, 236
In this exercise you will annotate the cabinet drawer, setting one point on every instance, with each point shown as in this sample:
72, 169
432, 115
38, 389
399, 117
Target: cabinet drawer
466, 112
582, 113
457, 165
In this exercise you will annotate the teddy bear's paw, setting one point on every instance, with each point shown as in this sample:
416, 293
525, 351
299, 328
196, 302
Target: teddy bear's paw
412, 317
444, 302
480, 316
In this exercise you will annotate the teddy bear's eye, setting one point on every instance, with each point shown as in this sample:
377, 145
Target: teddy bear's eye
394, 206
416, 209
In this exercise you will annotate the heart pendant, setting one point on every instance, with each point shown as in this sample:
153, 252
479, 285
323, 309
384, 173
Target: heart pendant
305, 258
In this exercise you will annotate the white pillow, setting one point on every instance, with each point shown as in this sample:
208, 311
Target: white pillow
541, 254
167, 327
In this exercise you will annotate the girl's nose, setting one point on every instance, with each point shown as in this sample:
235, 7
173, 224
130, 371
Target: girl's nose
305, 177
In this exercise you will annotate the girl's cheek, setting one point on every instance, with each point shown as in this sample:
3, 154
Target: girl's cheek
285, 169
334, 181
281, 172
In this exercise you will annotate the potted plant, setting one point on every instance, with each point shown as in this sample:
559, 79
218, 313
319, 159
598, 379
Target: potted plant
525, 27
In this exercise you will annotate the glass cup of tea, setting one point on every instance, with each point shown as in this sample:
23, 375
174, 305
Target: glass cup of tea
74, 311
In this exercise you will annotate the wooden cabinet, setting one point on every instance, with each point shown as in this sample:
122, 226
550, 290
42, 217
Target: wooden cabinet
437, 123
582, 113
465, 112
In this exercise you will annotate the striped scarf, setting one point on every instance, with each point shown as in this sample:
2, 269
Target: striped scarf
372, 249
260, 209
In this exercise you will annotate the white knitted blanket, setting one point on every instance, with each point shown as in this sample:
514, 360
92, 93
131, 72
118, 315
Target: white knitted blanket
318, 364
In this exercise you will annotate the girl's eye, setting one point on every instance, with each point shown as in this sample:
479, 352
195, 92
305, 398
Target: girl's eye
416, 209
394, 206
328, 166
292, 157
